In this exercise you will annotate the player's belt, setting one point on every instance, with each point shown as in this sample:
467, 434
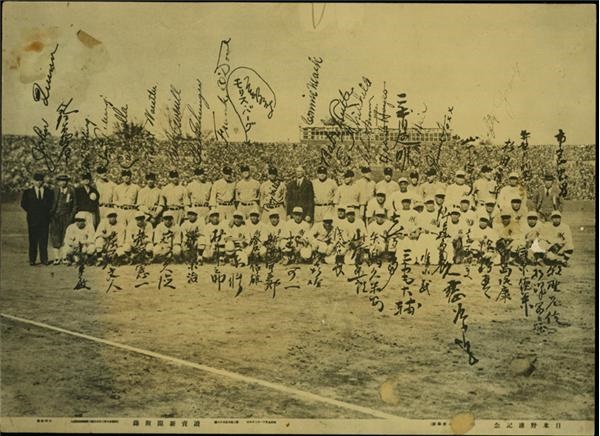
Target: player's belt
174, 207
324, 204
273, 205
253, 203
200, 204
127, 207
225, 203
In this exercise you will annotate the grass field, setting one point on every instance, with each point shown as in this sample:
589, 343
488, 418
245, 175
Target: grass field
327, 341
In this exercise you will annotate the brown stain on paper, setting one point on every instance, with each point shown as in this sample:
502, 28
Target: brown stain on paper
86, 39
462, 422
387, 392
37, 46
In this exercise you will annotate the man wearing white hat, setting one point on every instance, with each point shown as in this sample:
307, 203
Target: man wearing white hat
80, 234
509, 232
518, 210
110, 236
294, 233
427, 226
482, 239
457, 231
559, 238
273, 232
340, 214
510, 191
167, 237
395, 200
405, 238
322, 239
532, 228
235, 240
377, 234
352, 234
467, 214
380, 201
139, 236
215, 234
457, 190
192, 237
254, 235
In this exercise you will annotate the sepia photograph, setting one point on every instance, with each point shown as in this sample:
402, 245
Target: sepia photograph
299, 218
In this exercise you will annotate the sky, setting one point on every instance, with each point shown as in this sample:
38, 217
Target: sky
503, 68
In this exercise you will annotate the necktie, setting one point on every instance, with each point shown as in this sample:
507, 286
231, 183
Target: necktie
39, 193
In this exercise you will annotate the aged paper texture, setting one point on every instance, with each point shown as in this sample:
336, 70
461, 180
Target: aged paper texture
298, 218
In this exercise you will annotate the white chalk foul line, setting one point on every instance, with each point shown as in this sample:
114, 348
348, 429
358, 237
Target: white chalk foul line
221, 372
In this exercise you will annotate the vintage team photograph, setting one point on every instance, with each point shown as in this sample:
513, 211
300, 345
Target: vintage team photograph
298, 218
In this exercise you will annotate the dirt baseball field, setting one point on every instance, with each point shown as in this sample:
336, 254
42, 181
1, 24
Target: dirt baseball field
327, 340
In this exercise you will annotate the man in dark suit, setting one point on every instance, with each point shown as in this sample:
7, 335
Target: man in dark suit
87, 200
37, 202
300, 193
547, 198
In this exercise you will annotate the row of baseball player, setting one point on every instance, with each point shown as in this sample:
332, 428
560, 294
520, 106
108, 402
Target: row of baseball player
316, 197
419, 229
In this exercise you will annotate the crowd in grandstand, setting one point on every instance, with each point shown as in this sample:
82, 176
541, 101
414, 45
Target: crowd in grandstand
240, 219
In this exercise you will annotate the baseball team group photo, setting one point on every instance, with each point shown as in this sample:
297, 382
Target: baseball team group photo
353, 223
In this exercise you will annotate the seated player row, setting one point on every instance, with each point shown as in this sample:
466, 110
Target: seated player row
417, 231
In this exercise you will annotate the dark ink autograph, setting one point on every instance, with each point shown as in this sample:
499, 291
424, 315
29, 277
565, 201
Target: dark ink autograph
44, 94
245, 89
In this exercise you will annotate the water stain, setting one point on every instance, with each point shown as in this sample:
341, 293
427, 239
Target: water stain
86, 39
37, 46
462, 422
387, 392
